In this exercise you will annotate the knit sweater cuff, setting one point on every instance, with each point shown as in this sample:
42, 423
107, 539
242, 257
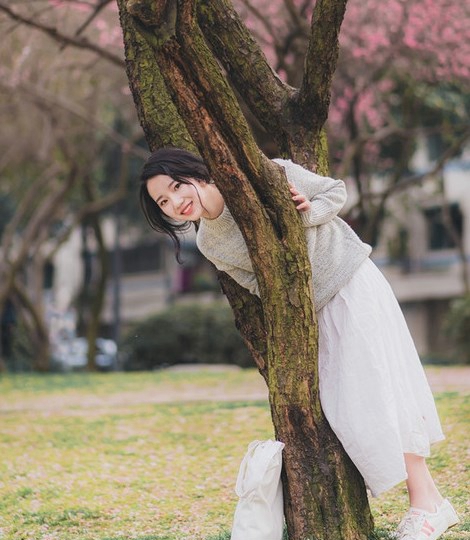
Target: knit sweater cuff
318, 214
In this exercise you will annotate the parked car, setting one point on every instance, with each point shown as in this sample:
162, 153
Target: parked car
71, 354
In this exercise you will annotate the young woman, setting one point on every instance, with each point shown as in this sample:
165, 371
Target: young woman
372, 386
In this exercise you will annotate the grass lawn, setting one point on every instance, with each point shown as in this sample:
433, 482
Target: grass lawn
154, 456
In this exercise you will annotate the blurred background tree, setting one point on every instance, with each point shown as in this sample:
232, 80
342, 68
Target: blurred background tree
402, 75
66, 130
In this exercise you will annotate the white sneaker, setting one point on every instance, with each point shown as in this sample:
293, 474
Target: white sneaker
421, 525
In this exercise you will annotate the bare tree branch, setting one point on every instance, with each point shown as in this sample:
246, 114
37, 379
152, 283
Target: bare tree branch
418, 178
64, 39
30, 198
248, 69
94, 207
43, 215
265, 21
97, 10
38, 326
381, 135
297, 17
43, 97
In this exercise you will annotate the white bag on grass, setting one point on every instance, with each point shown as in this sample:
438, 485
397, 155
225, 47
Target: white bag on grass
259, 514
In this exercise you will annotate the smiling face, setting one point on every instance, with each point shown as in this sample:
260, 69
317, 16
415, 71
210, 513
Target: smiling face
178, 200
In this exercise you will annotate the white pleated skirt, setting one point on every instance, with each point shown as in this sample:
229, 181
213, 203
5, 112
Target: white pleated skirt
373, 389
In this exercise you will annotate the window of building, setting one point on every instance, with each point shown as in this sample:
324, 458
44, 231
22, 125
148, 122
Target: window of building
48, 280
439, 235
142, 258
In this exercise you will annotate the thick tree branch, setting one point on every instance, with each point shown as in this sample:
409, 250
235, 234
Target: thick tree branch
322, 56
248, 312
165, 128
204, 74
245, 63
64, 39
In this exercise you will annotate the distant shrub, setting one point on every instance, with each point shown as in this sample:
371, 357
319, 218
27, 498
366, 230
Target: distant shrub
190, 333
457, 327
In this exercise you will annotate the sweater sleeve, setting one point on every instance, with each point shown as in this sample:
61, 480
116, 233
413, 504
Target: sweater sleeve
243, 277
326, 194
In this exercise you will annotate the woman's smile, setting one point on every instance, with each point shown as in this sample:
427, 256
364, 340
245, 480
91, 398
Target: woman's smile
187, 208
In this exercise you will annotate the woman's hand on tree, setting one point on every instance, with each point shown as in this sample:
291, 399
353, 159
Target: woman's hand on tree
302, 204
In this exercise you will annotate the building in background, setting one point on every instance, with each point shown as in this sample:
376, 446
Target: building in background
424, 250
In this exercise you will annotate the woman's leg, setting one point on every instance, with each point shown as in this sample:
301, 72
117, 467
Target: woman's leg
422, 491
430, 515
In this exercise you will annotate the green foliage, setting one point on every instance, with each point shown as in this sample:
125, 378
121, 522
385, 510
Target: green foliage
191, 333
457, 327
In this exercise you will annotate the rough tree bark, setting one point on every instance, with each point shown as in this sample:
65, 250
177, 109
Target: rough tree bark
183, 57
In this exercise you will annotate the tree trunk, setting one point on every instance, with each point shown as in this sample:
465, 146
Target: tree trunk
98, 285
39, 332
186, 43
323, 492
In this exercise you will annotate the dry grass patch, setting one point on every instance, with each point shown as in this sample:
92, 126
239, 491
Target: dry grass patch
83, 458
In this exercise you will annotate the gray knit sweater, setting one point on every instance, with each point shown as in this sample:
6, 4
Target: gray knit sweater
335, 251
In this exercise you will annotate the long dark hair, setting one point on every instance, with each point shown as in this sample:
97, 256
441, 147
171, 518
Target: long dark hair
180, 165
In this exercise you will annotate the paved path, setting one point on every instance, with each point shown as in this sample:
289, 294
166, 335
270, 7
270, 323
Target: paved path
451, 379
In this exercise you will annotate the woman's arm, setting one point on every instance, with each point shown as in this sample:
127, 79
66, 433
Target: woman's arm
244, 278
326, 195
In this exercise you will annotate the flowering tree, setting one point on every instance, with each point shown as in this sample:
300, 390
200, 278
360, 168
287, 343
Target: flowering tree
402, 74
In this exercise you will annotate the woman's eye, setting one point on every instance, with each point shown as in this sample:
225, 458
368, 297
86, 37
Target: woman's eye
162, 203
177, 185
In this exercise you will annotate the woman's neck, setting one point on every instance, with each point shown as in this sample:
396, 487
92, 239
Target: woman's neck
214, 202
